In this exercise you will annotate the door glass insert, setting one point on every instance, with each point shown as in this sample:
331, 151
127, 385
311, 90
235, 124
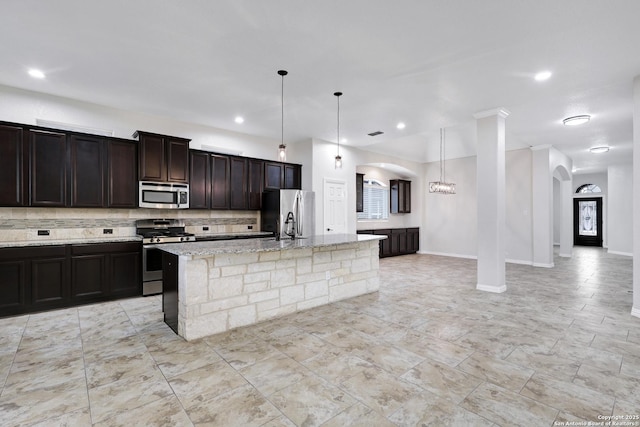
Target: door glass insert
588, 219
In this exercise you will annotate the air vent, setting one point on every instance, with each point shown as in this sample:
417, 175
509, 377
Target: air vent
376, 133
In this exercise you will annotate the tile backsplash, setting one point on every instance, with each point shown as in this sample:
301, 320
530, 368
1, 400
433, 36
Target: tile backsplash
22, 224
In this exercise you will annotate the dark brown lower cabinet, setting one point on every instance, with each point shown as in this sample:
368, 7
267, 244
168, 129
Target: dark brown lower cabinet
13, 285
42, 278
170, 290
399, 241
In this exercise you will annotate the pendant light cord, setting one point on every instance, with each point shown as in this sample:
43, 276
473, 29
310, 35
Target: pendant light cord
338, 132
282, 110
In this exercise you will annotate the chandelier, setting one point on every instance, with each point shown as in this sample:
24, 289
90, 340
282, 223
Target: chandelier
442, 187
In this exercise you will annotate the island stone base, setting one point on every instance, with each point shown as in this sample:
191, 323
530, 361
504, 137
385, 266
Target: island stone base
225, 291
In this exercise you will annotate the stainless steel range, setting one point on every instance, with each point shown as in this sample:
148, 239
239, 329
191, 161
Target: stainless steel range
157, 232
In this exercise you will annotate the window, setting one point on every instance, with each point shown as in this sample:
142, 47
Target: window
375, 200
588, 188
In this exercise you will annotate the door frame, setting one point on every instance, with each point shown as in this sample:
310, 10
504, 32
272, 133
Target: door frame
588, 240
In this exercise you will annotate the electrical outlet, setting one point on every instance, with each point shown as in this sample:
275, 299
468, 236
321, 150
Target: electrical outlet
250, 227
205, 228
107, 231
43, 232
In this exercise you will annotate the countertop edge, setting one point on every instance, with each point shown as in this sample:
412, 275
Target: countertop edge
197, 249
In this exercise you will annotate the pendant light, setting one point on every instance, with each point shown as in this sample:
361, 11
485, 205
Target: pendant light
282, 148
442, 187
338, 158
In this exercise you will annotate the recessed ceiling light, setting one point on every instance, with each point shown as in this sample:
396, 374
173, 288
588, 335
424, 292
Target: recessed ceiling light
598, 150
542, 76
239, 120
401, 125
576, 120
36, 74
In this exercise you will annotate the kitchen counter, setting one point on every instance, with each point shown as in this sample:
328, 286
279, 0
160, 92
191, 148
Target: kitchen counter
83, 241
200, 249
233, 236
212, 287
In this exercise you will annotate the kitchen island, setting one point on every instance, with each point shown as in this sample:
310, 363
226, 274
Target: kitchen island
212, 287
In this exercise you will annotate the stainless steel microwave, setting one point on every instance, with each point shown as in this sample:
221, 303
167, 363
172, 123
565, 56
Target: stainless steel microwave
163, 195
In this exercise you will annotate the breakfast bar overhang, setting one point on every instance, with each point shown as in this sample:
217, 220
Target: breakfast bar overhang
213, 287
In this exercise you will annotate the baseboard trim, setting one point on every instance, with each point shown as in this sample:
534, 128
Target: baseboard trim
539, 264
518, 261
635, 312
565, 255
609, 251
448, 254
491, 288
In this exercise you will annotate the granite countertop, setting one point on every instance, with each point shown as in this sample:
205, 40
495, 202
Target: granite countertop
81, 241
195, 249
239, 235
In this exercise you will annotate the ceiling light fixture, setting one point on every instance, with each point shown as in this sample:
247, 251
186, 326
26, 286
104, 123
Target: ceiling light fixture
442, 187
282, 148
36, 74
401, 125
239, 120
542, 76
576, 120
598, 150
338, 158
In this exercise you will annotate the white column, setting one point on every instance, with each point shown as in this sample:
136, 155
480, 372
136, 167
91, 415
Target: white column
542, 210
635, 311
491, 205
566, 226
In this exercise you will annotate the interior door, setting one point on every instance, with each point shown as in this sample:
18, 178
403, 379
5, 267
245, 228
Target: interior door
587, 221
335, 207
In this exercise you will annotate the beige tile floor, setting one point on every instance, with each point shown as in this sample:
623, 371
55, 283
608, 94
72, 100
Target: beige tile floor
428, 349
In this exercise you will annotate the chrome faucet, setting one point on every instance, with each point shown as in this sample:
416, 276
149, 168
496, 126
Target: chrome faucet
290, 229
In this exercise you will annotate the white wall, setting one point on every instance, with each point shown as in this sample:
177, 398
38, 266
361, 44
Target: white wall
620, 209
518, 204
23, 106
450, 226
557, 211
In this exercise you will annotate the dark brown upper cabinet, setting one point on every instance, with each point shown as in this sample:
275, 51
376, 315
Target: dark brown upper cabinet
400, 196
162, 158
359, 192
48, 165
272, 175
292, 178
238, 183
14, 166
88, 169
282, 175
220, 182
103, 172
200, 180
122, 173
256, 183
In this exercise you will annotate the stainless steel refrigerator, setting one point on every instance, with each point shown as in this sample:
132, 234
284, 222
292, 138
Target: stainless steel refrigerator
289, 214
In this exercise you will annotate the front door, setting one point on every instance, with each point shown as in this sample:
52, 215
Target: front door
587, 221
335, 206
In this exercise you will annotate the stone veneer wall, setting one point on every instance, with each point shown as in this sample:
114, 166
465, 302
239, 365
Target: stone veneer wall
223, 292
22, 224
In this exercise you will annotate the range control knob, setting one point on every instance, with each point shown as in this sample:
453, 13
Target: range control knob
182, 239
157, 240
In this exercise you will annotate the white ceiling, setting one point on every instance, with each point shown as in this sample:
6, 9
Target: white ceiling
428, 63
